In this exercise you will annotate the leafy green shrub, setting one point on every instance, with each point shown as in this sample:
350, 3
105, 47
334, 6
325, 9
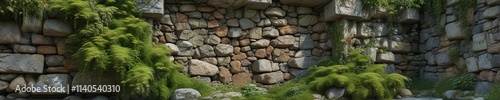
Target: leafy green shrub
393, 6
464, 81
460, 82
109, 36
25, 8
494, 93
358, 76
252, 90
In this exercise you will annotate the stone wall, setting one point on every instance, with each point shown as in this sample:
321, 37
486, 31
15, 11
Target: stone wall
32, 53
450, 53
265, 44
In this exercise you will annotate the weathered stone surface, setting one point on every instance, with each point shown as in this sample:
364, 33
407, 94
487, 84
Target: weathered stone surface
260, 53
255, 33
206, 51
262, 65
486, 75
491, 12
10, 33
53, 80
350, 9
479, 42
246, 24
31, 24
212, 40
443, 59
224, 75
3, 86
185, 48
269, 78
258, 4
275, 12
221, 31
283, 41
54, 27
197, 67
287, 30
223, 61
260, 43
234, 32
253, 15
235, 66
180, 18
270, 32
197, 40
227, 3
385, 57
311, 3
306, 42
239, 56
18, 81
241, 79
182, 26
495, 60
166, 20
197, 23
453, 31
303, 53
484, 61
212, 24
185, 94
223, 50
472, 64
173, 48
154, 9
304, 10
7, 77
482, 87
21, 63
278, 22
187, 8
410, 15
233, 22
400, 47
334, 93
451, 2
24, 48
303, 62
195, 14
307, 20
491, 2
54, 60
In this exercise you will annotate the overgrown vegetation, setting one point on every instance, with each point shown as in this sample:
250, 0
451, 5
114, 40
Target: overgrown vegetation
494, 92
109, 36
464, 8
429, 88
15, 9
393, 6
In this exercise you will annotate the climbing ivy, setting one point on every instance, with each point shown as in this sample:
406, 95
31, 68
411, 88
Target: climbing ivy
110, 36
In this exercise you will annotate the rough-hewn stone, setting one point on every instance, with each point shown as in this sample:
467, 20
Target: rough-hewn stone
10, 33
21, 63
269, 78
197, 67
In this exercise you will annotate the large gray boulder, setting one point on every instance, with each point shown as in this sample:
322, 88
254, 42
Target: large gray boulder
21, 63
482, 87
185, 48
410, 15
207, 51
185, 94
491, 12
453, 31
